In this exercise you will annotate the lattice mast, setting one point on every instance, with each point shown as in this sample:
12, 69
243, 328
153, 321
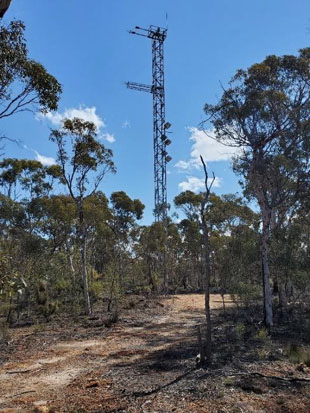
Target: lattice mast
160, 140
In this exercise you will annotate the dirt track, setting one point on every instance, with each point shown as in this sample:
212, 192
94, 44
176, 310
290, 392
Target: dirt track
145, 363
50, 373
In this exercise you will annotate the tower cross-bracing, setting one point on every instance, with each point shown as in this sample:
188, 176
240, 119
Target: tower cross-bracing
160, 126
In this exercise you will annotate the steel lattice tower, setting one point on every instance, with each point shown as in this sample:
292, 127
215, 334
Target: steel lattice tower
158, 36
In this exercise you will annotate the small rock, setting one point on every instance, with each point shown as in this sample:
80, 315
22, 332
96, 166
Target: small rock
92, 385
301, 367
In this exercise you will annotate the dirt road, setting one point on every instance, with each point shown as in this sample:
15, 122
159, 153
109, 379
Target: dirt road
144, 363
85, 373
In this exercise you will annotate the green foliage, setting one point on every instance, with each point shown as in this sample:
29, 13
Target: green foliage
25, 83
298, 354
228, 381
87, 155
263, 93
125, 207
28, 176
190, 203
262, 335
246, 292
266, 111
125, 213
240, 329
112, 288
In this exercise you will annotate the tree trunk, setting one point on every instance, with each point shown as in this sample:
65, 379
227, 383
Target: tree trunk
164, 261
207, 275
282, 295
223, 301
71, 264
266, 271
207, 269
83, 236
85, 279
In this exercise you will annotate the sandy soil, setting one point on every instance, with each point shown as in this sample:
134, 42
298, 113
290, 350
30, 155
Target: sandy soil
144, 363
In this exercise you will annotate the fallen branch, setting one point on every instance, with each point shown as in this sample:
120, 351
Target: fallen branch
24, 392
18, 371
287, 379
255, 373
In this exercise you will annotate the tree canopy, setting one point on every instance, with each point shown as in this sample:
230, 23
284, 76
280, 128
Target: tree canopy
266, 113
25, 85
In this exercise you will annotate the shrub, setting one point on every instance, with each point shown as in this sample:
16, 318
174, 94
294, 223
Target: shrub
298, 354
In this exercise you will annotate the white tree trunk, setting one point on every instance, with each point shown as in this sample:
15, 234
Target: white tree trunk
85, 279
83, 235
266, 270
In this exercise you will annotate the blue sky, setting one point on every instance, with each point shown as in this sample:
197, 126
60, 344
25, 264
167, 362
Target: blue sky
86, 46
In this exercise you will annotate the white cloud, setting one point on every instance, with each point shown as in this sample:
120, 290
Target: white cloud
54, 117
217, 182
126, 124
88, 114
45, 160
183, 165
198, 184
108, 137
205, 145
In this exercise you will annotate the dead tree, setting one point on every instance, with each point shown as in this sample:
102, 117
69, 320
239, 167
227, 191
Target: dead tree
206, 350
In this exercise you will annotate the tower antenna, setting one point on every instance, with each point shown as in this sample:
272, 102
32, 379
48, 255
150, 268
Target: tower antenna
160, 126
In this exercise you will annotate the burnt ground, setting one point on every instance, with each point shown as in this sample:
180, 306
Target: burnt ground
146, 362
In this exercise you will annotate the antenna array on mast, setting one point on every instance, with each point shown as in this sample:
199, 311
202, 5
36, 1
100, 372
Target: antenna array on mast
160, 126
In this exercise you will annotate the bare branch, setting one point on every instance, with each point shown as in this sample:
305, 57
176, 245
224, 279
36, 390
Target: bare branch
208, 187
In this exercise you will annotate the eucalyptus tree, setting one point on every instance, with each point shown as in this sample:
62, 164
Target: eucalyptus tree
290, 249
84, 162
149, 249
174, 258
101, 242
266, 113
26, 178
24, 183
99, 218
229, 219
191, 268
197, 207
25, 85
125, 212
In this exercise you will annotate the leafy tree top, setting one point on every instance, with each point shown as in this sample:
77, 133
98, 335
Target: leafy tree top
268, 102
266, 112
25, 85
26, 175
81, 156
